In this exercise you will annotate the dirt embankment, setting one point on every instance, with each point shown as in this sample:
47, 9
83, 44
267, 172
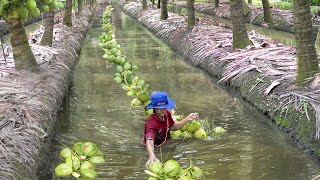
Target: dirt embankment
263, 73
30, 101
282, 19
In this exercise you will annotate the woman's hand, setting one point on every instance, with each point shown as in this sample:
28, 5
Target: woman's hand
192, 116
150, 160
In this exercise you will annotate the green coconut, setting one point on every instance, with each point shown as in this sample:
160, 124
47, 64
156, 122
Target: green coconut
136, 102
119, 68
86, 165
97, 160
118, 79
127, 66
200, 134
73, 161
100, 153
186, 134
65, 153
63, 169
46, 2
156, 167
77, 148
52, 5
31, 5
193, 126
176, 134
23, 13
152, 178
149, 112
45, 8
5, 3
135, 67
143, 96
141, 83
34, 13
171, 168
89, 149
90, 174
13, 14
185, 178
131, 93
184, 128
218, 130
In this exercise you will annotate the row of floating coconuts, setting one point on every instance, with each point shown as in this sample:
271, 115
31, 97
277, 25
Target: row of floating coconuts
80, 161
22, 9
138, 88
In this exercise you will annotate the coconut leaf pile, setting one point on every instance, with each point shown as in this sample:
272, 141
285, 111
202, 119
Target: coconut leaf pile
79, 161
29, 102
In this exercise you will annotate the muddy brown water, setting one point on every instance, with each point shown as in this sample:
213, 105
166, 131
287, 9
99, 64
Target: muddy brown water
278, 36
99, 111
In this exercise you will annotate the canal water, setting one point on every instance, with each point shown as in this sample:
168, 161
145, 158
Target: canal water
99, 111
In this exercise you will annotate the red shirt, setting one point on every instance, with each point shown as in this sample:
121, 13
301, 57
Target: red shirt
157, 129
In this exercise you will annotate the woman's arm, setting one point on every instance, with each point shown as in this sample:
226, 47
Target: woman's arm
180, 124
150, 150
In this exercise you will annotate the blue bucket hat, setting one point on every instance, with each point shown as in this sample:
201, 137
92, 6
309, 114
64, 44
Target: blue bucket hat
160, 100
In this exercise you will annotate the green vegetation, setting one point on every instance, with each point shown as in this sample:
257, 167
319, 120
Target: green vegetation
282, 122
285, 5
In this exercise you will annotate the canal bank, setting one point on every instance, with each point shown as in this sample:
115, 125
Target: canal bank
30, 102
282, 19
263, 75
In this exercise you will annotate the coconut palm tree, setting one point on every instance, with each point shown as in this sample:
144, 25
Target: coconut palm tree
164, 10
306, 56
216, 3
48, 31
80, 6
266, 12
67, 20
191, 16
240, 36
22, 54
144, 4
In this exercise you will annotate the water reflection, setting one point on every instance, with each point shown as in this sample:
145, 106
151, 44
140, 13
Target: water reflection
99, 111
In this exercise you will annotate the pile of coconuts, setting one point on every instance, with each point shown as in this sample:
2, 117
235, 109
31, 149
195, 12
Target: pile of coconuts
79, 161
23, 9
171, 170
125, 70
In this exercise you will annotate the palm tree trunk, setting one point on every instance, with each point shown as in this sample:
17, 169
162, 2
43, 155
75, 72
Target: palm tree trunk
68, 14
240, 36
216, 3
191, 16
266, 12
164, 10
48, 31
22, 54
246, 8
306, 56
144, 4
159, 2
80, 6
